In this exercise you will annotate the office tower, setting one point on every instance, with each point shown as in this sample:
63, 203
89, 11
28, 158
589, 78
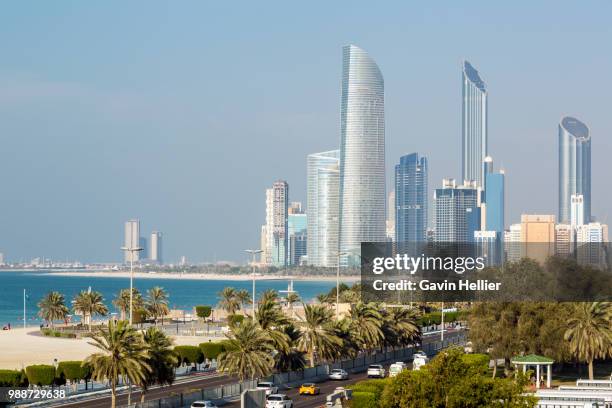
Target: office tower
537, 236
142, 243
297, 229
574, 167
131, 240
390, 226
457, 210
411, 199
268, 229
362, 154
474, 125
576, 210
323, 204
564, 239
156, 247
512, 243
489, 246
494, 198
591, 240
280, 204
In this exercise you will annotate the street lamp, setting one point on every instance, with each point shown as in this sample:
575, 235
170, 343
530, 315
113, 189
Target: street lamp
131, 250
253, 252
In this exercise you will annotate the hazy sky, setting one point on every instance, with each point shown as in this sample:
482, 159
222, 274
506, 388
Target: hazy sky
182, 113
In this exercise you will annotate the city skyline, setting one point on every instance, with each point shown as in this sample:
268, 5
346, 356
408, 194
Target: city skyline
103, 125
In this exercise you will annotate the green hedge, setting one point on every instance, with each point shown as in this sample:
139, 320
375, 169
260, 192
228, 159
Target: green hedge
189, 355
374, 386
479, 362
203, 311
57, 333
12, 378
40, 374
362, 399
73, 370
211, 350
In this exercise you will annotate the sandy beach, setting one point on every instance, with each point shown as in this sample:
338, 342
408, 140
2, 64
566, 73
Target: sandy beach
200, 276
20, 349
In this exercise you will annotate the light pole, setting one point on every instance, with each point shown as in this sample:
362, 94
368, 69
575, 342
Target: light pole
340, 254
131, 250
253, 252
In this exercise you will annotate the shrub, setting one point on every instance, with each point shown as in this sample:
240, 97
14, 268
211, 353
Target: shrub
189, 355
235, 319
362, 399
477, 362
211, 350
40, 374
10, 378
203, 311
374, 386
72, 370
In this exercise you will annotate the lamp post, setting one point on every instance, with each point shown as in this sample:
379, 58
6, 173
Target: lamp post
131, 250
253, 252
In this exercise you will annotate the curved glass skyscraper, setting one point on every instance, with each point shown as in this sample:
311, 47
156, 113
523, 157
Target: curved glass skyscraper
362, 152
574, 166
474, 125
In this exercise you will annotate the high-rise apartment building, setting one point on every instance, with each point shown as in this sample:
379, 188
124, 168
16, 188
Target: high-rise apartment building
457, 210
512, 243
564, 239
280, 204
156, 248
267, 239
411, 199
297, 222
537, 236
131, 240
362, 153
390, 226
494, 198
576, 210
323, 207
591, 244
574, 167
474, 125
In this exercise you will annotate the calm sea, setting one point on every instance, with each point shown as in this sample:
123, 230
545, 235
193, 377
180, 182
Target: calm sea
184, 293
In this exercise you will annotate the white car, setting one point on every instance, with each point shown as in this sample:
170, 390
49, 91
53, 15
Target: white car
279, 401
396, 368
419, 361
203, 404
269, 387
338, 374
376, 370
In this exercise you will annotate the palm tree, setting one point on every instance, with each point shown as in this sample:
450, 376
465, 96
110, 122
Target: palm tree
271, 320
292, 297
248, 352
53, 307
366, 324
269, 295
122, 302
157, 303
589, 332
244, 297
89, 303
318, 335
122, 354
290, 358
229, 300
162, 359
399, 327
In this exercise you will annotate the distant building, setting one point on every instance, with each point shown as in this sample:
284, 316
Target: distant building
574, 167
295, 207
512, 243
564, 239
577, 210
131, 240
156, 247
474, 125
297, 229
280, 255
591, 240
494, 198
411, 199
390, 226
457, 211
537, 236
268, 229
144, 253
323, 207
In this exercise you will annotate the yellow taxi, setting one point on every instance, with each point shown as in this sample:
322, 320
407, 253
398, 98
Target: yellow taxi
309, 388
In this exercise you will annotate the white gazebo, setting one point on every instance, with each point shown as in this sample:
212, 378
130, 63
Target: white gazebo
533, 360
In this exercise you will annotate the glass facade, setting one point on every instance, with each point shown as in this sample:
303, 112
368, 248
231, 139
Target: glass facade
323, 205
574, 167
474, 125
297, 227
280, 204
457, 212
494, 197
411, 199
362, 152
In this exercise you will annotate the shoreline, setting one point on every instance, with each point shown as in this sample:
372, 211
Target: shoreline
202, 276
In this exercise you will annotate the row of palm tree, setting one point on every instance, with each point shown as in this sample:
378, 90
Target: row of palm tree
142, 358
233, 300
88, 303
274, 341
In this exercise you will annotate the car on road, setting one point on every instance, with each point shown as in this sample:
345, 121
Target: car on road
203, 404
279, 401
376, 370
338, 374
396, 368
269, 387
419, 361
310, 389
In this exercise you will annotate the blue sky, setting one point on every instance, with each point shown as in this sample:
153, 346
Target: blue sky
182, 113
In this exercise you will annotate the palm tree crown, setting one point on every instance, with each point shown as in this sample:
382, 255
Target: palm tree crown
53, 307
157, 303
89, 303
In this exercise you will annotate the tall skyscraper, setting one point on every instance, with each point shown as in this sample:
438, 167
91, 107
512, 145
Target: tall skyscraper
131, 240
280, 190
390, 225
494, 197
297, 222
267, 229
576, 210
323, 206
156, 247
362, 153
457, 209
474, 125
574, 166
411, 199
